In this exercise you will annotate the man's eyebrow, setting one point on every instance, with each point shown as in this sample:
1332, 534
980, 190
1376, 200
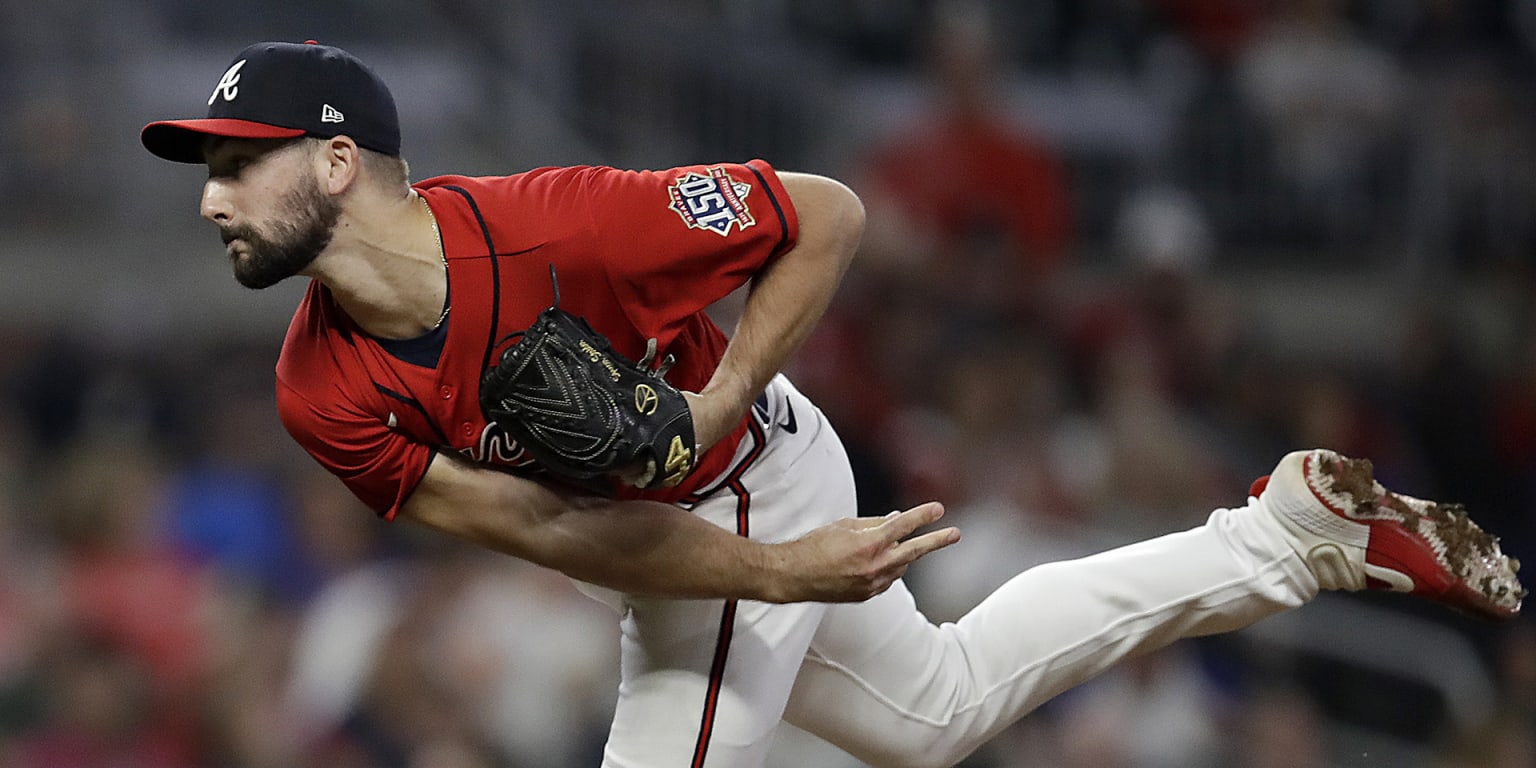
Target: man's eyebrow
212, 145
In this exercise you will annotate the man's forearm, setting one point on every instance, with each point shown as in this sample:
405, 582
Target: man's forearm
638, 547
646, 548
786, 301
659, 550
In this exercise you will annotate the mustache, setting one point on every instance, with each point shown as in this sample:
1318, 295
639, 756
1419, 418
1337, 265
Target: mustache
237, 232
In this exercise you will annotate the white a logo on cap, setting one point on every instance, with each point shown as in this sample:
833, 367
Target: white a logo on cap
228, 84
330, 114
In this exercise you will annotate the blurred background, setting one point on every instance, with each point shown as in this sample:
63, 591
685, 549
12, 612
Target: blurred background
1121, 257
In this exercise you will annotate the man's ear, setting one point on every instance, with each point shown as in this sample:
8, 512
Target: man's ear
339, 164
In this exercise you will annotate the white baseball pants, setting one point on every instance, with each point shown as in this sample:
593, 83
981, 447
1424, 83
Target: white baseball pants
706, 682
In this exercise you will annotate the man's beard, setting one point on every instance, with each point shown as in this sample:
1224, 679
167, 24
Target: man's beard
294, 242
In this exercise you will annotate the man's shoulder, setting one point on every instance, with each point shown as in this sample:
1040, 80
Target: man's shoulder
313, 353
519, 211
533, 180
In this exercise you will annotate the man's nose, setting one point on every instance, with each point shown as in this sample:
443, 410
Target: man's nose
215, 205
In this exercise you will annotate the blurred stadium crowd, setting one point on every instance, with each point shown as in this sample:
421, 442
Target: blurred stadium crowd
1121, 257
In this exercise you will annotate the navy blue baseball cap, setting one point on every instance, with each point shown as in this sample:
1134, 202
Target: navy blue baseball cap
284, 90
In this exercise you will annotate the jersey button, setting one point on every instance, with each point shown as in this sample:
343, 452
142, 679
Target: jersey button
446, 392
469, 429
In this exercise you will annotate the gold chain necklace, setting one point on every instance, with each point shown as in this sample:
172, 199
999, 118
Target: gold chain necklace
441, 253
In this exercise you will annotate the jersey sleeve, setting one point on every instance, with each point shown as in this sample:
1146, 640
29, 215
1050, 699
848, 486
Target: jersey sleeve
379, 465
673, 242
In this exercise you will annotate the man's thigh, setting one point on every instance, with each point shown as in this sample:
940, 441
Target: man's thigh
705, 682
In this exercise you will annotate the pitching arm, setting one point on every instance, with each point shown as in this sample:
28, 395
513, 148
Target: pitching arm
785, 301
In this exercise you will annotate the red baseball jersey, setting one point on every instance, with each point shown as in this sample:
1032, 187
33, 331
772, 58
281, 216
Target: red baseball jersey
639, 254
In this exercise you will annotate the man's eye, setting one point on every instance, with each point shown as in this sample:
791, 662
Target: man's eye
230, 167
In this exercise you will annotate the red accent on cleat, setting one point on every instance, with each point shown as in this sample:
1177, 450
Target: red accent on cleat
1258, 486
1436, 546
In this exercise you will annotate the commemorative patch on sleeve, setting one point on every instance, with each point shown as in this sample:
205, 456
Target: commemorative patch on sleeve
715, 202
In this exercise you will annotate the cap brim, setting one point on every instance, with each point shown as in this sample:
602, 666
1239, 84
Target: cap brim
182, 140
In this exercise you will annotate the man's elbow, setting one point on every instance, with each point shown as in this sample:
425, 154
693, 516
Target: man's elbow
831, 214
493, 509
850, 220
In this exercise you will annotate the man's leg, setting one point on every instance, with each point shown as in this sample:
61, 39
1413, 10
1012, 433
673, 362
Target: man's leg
705, 682
882, 682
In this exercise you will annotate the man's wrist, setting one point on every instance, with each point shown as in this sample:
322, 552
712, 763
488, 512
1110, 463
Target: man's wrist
714, 417
731, 393
773, 575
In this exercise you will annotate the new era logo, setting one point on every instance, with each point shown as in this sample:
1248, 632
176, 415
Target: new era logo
330, 114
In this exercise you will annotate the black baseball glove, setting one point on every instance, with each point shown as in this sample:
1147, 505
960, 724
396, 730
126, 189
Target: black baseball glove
585, 412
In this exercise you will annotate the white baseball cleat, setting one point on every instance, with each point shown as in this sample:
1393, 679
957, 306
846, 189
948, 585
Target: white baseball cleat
1355, 534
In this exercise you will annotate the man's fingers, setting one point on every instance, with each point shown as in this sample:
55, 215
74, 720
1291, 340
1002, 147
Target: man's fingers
899, 525
918, 546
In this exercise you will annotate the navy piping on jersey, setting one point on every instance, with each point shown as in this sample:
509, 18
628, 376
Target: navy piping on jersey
490, 250
777, 209
415, 406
